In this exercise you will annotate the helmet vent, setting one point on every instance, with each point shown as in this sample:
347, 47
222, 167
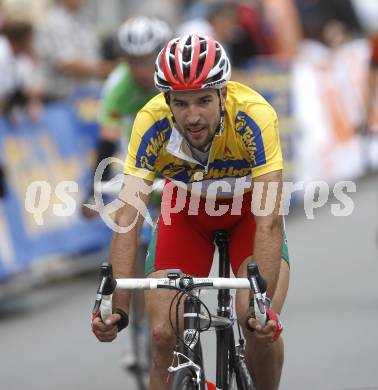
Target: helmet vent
215, 77
201, 62
186, 54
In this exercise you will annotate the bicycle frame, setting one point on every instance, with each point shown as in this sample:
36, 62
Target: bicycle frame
225, 337
226, 353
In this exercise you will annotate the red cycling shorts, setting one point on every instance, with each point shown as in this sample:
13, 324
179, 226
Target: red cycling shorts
184, 241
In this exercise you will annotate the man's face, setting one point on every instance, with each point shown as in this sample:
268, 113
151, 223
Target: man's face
142, 68
197, 114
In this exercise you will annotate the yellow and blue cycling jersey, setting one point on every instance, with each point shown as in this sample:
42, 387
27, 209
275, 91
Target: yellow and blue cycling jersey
248, 146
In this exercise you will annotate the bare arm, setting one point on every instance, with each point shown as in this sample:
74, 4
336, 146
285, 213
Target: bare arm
129, 218
268, 237
124, 245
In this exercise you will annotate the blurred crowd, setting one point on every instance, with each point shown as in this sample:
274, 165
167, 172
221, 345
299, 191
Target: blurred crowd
49, 49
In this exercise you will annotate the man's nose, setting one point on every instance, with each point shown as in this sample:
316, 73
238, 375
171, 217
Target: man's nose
193, 115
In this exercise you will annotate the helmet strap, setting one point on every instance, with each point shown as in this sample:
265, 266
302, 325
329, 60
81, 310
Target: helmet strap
167, 98
220, 127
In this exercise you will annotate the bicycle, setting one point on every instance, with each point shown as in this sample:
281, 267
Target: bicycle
231, 370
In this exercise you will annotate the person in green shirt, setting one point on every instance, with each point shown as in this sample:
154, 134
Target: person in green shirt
128, 88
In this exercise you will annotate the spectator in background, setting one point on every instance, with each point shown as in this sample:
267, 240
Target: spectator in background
336, 22
286, 35
256, 35
128, 88
17, 66
69, 51
372, 105
367, 11
331, 22
241, 27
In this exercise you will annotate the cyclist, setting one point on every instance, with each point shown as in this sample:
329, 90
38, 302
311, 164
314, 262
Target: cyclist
217, 143
128, 88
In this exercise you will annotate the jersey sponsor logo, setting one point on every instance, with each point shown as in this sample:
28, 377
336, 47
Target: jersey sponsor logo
231, 171
152, 141
176, 172
181, 173
218, 169
251, 136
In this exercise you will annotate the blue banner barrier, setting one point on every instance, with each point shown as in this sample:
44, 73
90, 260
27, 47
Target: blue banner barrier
47, 164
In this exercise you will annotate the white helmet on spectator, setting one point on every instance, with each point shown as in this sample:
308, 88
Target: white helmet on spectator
140, 36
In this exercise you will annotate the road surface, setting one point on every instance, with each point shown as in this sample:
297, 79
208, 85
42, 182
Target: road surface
330, 317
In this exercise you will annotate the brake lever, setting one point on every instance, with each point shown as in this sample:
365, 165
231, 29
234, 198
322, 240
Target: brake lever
258, 286
105, 290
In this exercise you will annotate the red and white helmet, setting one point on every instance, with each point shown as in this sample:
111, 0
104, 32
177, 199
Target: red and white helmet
192, 62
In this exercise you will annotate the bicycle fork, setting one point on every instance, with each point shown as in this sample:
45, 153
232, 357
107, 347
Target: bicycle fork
192, 351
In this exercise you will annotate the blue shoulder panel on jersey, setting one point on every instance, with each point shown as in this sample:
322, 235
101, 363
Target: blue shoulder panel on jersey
151, 143
252, 138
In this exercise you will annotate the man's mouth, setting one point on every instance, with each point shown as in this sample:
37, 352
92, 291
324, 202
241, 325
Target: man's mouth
196, 130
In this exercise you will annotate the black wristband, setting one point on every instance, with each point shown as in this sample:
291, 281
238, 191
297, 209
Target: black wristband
124, 321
